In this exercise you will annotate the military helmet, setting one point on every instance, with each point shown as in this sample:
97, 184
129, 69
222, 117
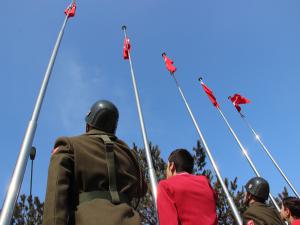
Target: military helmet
258, 187
103, 116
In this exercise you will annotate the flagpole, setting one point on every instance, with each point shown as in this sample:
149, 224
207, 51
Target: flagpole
220, 179
19, 171
269, 154
151, 169
244, 151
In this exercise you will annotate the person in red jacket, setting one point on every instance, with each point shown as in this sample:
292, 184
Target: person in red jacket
184, 198
290, 210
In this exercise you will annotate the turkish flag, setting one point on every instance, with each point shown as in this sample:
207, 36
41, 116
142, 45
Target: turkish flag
70, 11
169, 64
210, 95
126, 48
237, 99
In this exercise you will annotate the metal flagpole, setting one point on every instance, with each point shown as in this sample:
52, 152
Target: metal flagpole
151, 170
19, 171
246, 155
269, 154
220, 179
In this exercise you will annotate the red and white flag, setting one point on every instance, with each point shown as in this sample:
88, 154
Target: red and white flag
70, 11
210, 94
169, 64
126, 48
237, 99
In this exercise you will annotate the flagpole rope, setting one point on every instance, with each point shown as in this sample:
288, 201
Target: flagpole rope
220, 179
19, 171
269, 154
151, 169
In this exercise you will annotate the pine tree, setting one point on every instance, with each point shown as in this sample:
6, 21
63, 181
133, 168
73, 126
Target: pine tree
28, 211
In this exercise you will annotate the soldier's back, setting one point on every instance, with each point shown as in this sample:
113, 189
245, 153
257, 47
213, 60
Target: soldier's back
91, 176
260, 214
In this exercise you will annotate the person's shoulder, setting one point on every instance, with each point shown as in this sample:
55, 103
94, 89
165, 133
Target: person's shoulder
62, 141
202, 178
62, 145
250, 217
256, 207
165, 186
175, 181
164, 182
67, 141
121, 143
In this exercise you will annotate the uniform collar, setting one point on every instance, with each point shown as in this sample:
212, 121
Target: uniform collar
99, 132
258, 204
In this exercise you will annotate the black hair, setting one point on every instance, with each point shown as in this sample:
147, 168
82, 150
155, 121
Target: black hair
183, 160
293, 204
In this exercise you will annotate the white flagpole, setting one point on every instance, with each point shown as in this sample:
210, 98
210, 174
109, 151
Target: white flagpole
151, 169
269, 154
19, 171
244, 151
220, 179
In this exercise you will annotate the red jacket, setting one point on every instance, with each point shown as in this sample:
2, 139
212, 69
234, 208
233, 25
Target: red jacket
296, 222
186, 199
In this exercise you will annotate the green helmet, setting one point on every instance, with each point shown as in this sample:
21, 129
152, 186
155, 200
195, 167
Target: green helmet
103, 116
258, 187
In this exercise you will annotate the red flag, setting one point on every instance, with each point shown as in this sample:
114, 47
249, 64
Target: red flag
169, 64
210, 94
126, 48
237, 99
70, 11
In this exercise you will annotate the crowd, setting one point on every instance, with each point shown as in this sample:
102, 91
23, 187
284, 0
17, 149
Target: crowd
93, 178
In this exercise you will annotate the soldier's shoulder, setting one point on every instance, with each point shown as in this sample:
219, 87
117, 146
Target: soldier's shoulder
250, 217
66, 142
121, 143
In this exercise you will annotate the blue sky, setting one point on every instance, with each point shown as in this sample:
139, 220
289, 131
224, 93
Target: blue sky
250, 47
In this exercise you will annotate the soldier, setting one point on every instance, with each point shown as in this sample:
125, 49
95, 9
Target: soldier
258, 213
93, 177
184, 198
290, 210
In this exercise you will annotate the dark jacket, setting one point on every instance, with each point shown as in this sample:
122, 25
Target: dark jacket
77, 165
261, 214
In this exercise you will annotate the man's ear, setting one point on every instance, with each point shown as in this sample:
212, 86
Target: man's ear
172, 167
288, 212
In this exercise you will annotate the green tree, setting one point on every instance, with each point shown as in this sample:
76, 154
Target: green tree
28, 211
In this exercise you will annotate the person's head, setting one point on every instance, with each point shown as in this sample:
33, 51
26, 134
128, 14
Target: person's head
163, 54
257, 190
290, 209
103, 116
180, 160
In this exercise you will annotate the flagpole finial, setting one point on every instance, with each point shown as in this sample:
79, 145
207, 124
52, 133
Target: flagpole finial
124, 27
200, 79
